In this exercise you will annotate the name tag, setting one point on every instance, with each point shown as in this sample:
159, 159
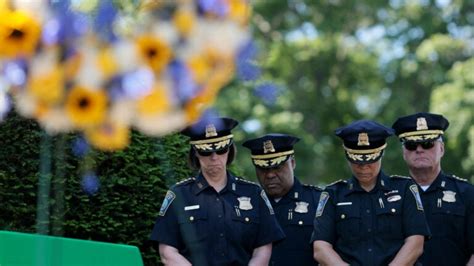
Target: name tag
192, 207
344, 203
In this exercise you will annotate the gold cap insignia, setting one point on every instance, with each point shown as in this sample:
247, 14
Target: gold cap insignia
421, 123
268, 146
211, 131
363, 140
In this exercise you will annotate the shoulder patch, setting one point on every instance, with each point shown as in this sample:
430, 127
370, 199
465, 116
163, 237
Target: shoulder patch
458, 178
170, 196
267, 202
340, 181
323, 199
400, 176
245, 181
185, 181
416, 194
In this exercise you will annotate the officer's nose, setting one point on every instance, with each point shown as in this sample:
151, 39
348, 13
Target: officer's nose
270, 174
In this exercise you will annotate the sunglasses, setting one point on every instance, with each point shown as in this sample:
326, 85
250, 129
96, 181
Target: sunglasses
426, 145
208, 153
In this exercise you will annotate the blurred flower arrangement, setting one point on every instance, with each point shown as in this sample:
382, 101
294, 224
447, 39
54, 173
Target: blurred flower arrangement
104, 67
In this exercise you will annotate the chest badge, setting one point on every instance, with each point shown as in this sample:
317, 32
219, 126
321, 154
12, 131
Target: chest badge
244, 203
301, 207
449, 196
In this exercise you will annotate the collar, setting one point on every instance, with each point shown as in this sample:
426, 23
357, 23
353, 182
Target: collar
296, 192
201, 184
382, 183
440, 182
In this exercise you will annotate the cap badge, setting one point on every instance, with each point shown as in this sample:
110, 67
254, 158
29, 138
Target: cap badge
211, 131
421, 123
301, 207
268, 146
363, 140
244, 203
449, 196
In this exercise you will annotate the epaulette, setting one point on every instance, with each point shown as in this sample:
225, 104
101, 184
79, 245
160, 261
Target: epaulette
185, 181
245, 181
340, 181
458, 178
400, 176
313, 187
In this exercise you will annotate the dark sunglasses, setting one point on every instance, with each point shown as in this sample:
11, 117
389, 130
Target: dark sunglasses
426, 145
208, 153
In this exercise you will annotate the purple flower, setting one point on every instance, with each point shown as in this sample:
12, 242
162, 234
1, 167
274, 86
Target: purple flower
104, 20
15, 72
246, 68
66, 25
217, 7
80, 147
90, 183
184, 86
268, 92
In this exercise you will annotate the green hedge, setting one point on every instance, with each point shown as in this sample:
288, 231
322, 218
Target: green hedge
123, 210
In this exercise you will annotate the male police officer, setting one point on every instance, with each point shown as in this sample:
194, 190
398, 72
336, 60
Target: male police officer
369, 219
215, 218
447, 199
294, 203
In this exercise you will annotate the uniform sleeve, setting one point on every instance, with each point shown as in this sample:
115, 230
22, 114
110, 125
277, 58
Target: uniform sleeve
469, 199
414, 219
324, 227
269, 230
166, 229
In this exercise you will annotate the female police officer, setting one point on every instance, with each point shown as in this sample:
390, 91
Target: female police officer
215, 218
370, 219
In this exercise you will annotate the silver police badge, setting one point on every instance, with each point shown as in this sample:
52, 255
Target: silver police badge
301, 207
244, 203
449, 196
394, 198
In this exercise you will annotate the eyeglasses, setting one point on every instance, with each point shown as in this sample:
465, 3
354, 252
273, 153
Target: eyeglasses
426, 145
208, 153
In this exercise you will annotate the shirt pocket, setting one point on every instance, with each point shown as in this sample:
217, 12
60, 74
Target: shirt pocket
245, 226
449, 220
193, 225
298, 231
389, 220
348, 222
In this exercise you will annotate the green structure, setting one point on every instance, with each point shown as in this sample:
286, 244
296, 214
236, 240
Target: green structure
38, 250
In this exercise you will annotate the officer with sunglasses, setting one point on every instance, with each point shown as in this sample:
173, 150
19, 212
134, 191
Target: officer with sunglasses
371, 218
294, 203
448, 200
215, 218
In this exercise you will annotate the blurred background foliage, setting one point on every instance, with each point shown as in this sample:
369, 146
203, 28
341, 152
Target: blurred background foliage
332, 62
323, 64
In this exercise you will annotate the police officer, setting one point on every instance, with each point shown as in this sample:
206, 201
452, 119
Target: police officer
448, 200
369, 219
215, 218
294, 203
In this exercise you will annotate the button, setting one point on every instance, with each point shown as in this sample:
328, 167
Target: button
191, 218
220, 215
370, 250
368, 211
217, 199
369, 230
300, 222
247, 219
343, 216
393, 210
221, 235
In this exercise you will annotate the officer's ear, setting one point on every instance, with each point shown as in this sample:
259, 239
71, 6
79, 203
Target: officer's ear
293, 162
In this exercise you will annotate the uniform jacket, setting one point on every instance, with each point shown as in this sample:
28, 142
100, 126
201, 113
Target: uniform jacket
211, 228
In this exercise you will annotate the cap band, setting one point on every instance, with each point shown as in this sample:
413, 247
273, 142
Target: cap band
206, 141
421, 132
273, 155
365, 151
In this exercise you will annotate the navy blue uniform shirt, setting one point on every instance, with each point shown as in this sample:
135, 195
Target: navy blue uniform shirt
369, 228
449, 209
295, 213
216, 228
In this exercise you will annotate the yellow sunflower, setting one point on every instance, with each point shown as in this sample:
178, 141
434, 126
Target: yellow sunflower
48, 88
109, 136
86, 107
156, 53
155, 102
239, 10
19, 34
107, 62
184, 21
205, 65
